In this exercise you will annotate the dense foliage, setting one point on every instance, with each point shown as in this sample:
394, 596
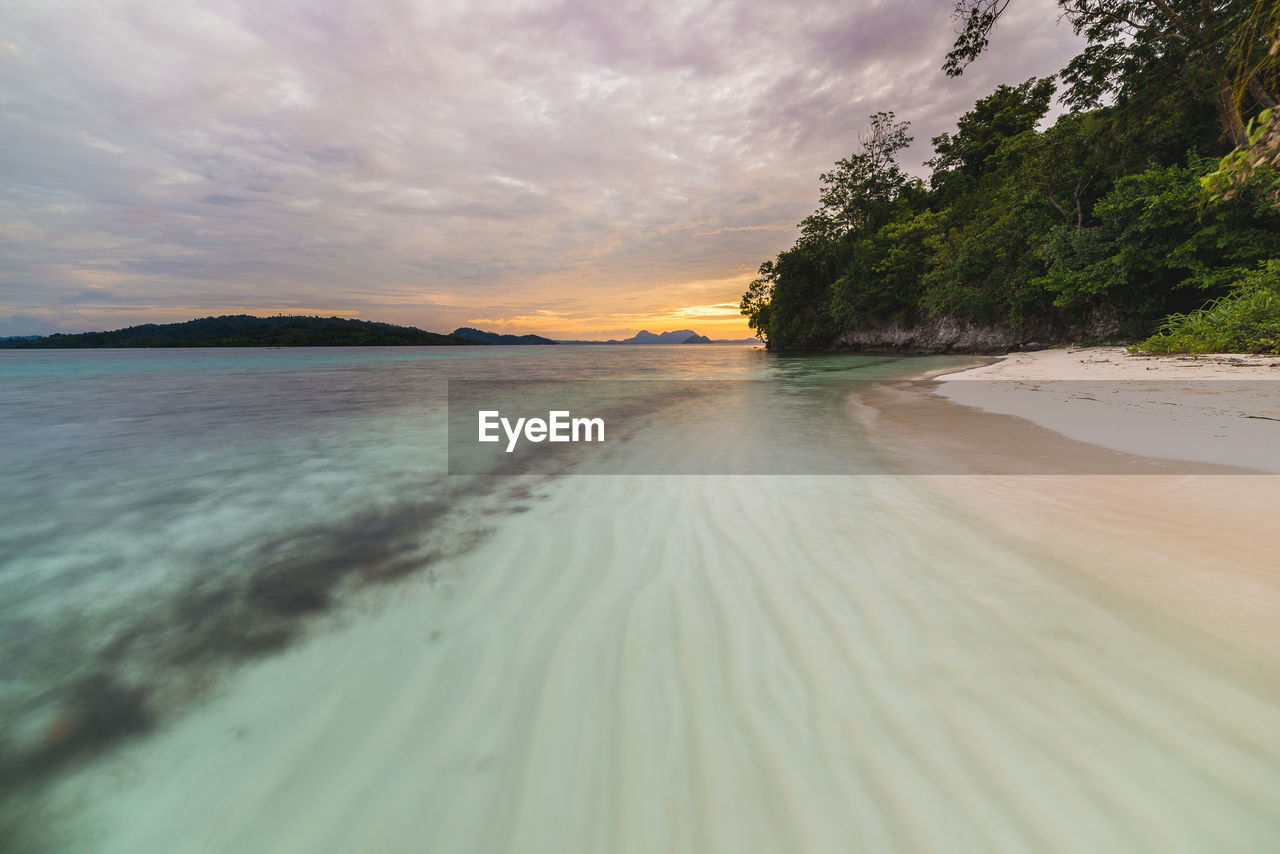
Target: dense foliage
1098, 225
242, 330
1247, 320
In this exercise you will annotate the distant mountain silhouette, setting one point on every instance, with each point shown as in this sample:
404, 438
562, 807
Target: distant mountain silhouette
644, 336
469, 334
243, 330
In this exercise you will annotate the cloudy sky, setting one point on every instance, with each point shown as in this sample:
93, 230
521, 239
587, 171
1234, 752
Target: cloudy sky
570, 167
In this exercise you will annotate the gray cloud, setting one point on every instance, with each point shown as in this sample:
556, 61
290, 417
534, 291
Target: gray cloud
433, 161
223, 199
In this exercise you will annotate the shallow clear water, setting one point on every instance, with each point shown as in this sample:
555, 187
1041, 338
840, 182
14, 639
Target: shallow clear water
169, 511
244, 607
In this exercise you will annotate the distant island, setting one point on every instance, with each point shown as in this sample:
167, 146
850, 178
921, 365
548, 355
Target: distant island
243, 330
468, 334
679, 336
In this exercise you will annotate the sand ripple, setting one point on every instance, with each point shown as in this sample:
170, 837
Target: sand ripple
735, 664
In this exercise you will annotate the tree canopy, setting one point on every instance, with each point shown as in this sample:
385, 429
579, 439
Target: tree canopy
1217, 48
1098, 225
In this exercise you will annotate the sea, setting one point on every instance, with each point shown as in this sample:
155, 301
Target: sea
277, 600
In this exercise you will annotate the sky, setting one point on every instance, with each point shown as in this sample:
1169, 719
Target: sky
571, 168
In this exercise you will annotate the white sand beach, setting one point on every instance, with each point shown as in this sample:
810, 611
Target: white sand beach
1197, 540
1219, 409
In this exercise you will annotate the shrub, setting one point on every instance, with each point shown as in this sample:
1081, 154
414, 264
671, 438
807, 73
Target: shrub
1246, 320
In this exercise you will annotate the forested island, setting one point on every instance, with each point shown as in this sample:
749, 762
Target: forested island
243, 330
468, 333
1148, 211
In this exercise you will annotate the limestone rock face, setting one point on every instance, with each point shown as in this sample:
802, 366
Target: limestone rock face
953, 335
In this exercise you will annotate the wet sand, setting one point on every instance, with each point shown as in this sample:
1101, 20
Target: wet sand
1191, 533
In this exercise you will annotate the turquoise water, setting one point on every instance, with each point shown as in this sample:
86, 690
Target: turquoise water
175, 510
244, 607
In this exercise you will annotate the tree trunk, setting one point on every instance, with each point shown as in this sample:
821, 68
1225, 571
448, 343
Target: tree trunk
1229, 113
1256, 91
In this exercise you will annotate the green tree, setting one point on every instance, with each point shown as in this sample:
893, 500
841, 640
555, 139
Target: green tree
1262, 144
858, 194
1071, 165
985, 267
1005, 113
883, 281
1128, 40
1093, 220
1153, 251
757, 300
799, 305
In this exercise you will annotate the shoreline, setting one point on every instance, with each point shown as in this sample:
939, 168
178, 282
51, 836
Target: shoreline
1045, 462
